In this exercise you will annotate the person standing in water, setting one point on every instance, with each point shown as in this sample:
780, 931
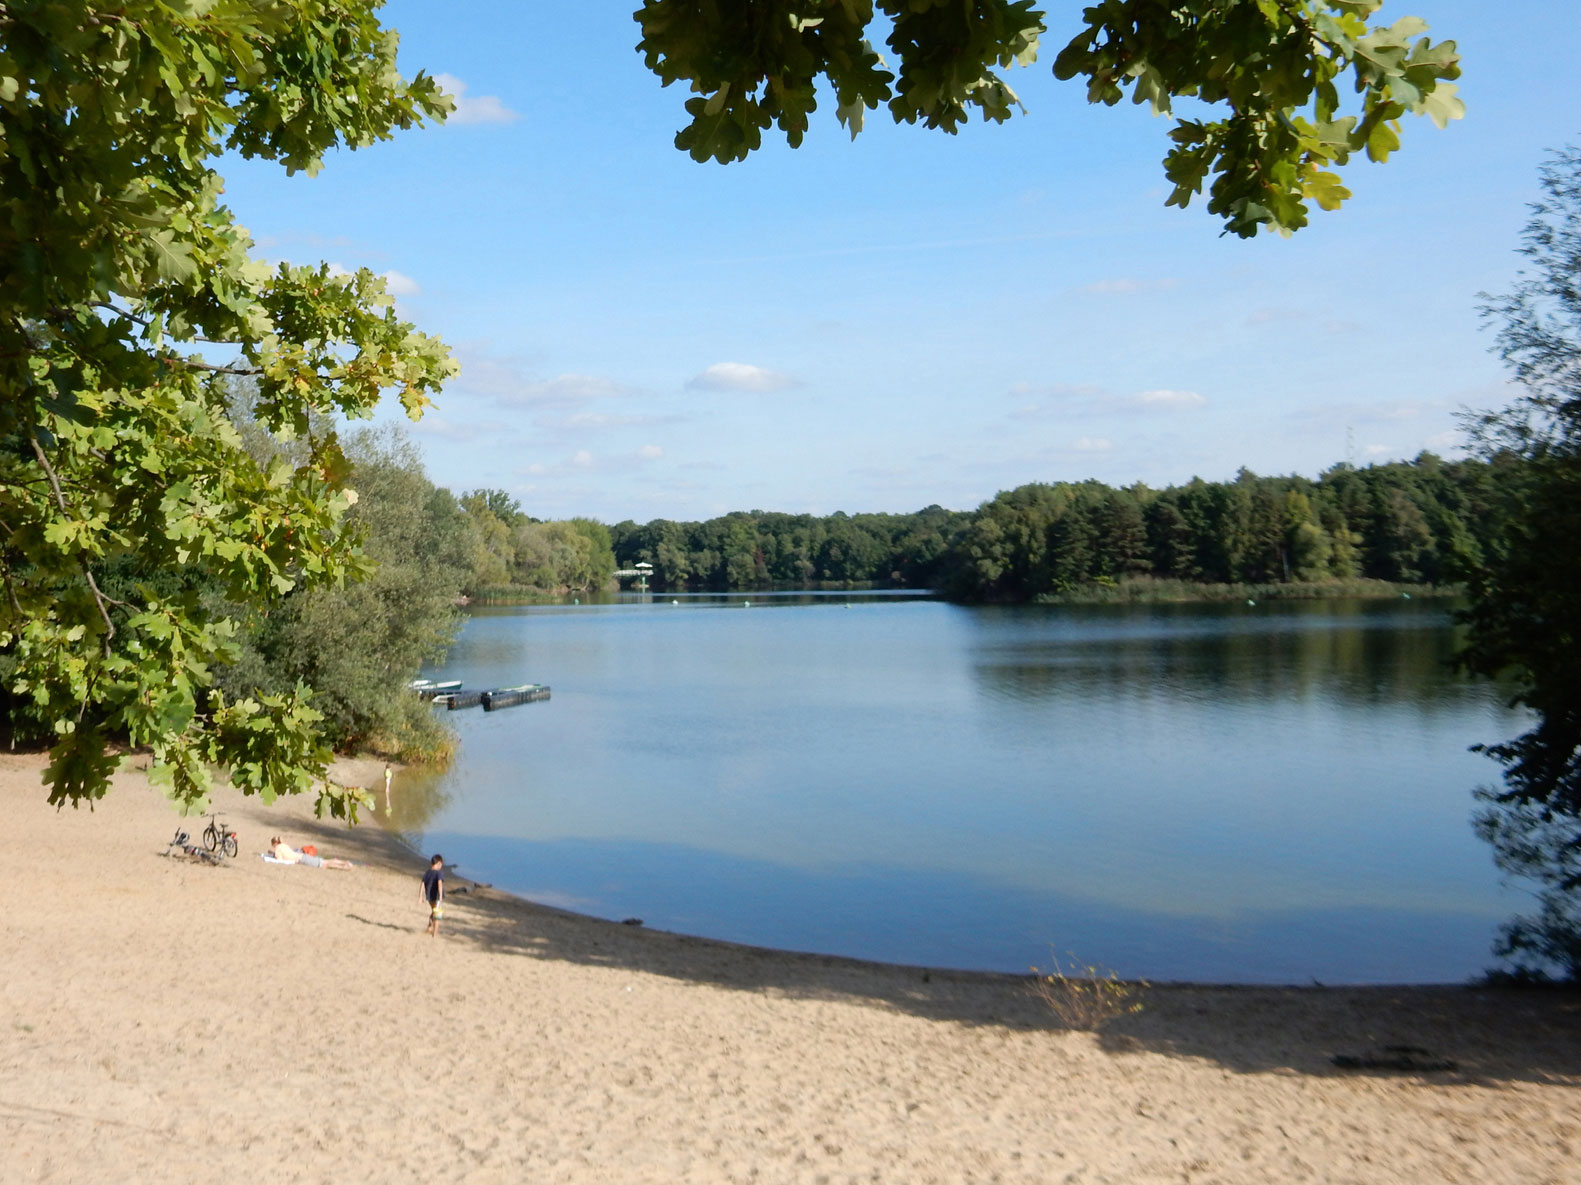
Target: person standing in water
433, 892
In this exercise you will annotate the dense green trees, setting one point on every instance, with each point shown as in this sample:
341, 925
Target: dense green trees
1422, 522
358, 644
1427, 521
118, 264
1525, 619
520, 554
759, 549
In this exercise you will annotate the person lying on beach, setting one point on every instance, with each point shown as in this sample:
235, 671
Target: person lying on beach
286, 854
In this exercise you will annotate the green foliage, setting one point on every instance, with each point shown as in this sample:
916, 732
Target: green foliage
357, 645
117, 441
1276, 69
494, 502
1525, 617
1419, 523
600, 551
515, 555
760, 549
1414, 524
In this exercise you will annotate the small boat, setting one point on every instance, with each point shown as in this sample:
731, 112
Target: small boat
509, 697
456, 700
429, 689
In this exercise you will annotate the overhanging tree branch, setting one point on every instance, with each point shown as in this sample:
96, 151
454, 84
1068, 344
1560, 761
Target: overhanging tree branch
99, 598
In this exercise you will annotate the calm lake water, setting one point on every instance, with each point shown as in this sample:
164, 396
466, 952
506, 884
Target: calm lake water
1270, 793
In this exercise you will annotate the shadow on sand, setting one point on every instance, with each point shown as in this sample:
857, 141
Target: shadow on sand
1490, 1035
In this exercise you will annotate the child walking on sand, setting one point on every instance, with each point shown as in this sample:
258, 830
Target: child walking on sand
433, 892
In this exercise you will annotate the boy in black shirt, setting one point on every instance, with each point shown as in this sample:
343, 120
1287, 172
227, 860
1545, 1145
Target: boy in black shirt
433, 892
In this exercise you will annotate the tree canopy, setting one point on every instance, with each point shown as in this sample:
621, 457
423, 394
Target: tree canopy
1267, 76
118, 265
1525, 617
1426, 522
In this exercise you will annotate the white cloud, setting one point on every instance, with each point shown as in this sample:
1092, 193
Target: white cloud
1450, 439
1373, 413
1165, 399
473, 109
1378, 450
582, 459
1126, 286
1093, 444
739, 376
598, 421
1058, 390
395, 283
308, 238
569, 388
650, 452
398, 284
508, 381
1273, 315
1069, 400
443, 429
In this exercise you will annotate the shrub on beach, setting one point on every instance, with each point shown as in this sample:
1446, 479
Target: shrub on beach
1085, 996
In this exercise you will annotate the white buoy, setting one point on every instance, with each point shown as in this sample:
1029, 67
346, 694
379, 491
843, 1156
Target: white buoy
675, 602
746, 604
1249, 601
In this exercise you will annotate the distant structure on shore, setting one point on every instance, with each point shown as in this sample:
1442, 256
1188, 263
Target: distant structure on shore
638, 572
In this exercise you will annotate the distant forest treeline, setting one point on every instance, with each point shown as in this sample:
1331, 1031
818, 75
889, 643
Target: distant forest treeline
1426, 521
760, 549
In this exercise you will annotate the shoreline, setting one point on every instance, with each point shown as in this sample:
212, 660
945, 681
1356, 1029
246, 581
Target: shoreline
151, 1003
367, 772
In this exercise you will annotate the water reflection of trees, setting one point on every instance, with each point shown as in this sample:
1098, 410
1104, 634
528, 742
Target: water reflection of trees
417, 794
1300, 655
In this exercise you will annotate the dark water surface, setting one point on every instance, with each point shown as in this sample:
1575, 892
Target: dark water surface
1270, 793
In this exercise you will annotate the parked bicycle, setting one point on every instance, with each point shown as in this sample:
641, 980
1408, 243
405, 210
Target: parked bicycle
219, 835
181, 845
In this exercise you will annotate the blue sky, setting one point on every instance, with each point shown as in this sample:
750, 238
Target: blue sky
910, 318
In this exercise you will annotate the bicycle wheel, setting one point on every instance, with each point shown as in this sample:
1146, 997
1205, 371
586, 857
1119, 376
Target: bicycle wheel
211, 837
229, 844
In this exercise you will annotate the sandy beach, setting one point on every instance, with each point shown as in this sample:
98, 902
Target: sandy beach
162, 1020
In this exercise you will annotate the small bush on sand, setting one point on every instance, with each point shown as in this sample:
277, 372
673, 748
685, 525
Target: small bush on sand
1084, 996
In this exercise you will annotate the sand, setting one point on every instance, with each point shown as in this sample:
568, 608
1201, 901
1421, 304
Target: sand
165, 1021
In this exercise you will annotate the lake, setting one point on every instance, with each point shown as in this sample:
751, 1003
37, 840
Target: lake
1235, 793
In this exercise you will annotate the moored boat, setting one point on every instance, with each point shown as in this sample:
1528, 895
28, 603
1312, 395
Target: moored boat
429, 689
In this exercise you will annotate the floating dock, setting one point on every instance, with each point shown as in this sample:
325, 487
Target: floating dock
509, 697
455, 699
